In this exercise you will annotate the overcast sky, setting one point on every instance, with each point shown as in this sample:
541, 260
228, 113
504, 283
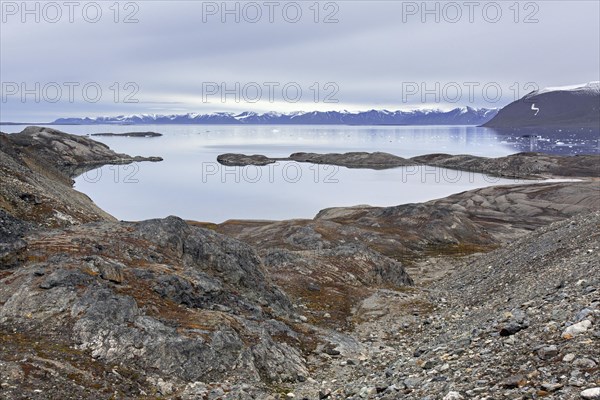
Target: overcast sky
177, 57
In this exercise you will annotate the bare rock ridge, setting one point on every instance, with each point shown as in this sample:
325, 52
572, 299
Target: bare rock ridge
359, 302
521, 165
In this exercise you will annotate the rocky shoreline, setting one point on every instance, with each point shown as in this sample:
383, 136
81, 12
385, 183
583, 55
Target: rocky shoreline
38, 166
485, 294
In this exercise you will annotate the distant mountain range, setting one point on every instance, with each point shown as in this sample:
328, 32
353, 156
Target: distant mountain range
457, 116
576, 106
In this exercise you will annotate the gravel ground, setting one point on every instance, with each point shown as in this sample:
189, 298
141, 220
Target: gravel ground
520, 322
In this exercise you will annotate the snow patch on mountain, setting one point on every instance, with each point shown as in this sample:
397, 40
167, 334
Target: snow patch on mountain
593, 87
457, 116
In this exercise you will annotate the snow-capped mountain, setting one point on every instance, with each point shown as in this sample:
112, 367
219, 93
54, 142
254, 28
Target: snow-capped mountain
457, 116
575, 106
592, 88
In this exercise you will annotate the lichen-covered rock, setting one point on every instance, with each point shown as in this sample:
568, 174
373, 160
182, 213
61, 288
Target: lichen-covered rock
179, 304
11, 240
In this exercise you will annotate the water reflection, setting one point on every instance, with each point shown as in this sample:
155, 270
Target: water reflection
552, 141
189, 183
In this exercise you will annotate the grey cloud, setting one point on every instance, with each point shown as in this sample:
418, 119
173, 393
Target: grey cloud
370, 54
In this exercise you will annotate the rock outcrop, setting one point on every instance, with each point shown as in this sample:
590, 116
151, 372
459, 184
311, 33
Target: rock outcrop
12, 244
175, 303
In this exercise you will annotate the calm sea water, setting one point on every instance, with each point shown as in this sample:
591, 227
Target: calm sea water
190, 183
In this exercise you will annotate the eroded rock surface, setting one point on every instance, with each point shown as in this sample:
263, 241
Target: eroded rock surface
172, 302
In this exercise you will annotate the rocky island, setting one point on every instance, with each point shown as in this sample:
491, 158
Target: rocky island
520, 165
377, 160
129, 134
490, 293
